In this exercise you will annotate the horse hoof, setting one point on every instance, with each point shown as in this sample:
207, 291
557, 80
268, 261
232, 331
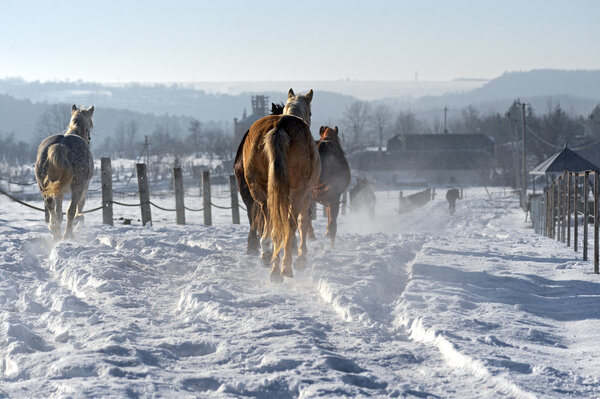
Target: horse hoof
300, 263
252, 251
287, 272
276, 278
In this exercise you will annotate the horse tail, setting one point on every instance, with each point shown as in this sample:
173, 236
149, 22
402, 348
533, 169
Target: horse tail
60, 172
276, 143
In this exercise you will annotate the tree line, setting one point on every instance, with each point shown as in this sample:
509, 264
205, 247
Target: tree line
365, 124
372, 124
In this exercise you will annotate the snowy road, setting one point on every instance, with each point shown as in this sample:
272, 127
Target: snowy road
418, 305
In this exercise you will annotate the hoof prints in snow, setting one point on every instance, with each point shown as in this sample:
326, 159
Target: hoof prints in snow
188, 349
200, 384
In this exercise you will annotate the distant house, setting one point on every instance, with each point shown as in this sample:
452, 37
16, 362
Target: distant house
430, 158
241, 126
566, 159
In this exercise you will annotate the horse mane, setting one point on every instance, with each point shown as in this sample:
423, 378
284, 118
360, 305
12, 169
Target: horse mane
277, 109
78, 125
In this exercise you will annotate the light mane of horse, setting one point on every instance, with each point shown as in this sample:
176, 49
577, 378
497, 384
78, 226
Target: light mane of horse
299, 105
81, 123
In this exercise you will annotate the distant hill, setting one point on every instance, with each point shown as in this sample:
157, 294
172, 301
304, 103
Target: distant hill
577, 92
22, 104
159, 99
20, 117
540, 83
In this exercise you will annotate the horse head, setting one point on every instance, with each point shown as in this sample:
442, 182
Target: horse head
299, 105
81, 122
327, 133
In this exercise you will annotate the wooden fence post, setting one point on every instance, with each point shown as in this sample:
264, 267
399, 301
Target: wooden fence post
206, 198
585, 215
179, 203
554, 211
564, 210
344, 202
569, 209
549, 218
575, 212
559, 202
144, 193
596, 190
235, 206
107, 195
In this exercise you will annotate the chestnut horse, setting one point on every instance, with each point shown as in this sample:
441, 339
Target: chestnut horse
334, 178
281, 168
252, 209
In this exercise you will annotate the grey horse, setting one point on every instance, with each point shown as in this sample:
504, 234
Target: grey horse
64, 164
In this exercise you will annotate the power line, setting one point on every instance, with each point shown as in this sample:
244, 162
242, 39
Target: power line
537, 136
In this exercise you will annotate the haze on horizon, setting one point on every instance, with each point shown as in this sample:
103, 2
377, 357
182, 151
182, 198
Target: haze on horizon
209, 41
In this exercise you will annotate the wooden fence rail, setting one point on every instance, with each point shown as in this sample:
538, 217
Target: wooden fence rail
557, 211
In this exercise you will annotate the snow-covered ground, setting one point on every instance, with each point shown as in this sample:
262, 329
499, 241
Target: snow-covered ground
424, 304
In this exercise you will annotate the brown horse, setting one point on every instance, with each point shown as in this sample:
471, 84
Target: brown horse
334, 178
253, 210
281, 168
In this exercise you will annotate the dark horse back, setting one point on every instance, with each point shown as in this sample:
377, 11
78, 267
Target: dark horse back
335, 171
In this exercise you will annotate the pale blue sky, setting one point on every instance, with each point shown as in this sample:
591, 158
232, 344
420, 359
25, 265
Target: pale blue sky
183, 41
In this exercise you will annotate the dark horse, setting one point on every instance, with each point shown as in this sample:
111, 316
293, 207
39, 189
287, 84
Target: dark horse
362, 197
253, 210
281, 168
334, 178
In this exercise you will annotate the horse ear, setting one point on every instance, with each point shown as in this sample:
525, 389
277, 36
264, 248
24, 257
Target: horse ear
73, 109
321, 130
336, 129
291, 93
91, 110
309, 95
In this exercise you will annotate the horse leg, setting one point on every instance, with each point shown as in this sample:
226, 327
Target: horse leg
79, 214
266, 247
54, 223
286, 267
333, 209
311, 231
253, 246
75, 198
304, 221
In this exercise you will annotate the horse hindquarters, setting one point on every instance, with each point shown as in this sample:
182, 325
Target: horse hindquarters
276, 143
59, 173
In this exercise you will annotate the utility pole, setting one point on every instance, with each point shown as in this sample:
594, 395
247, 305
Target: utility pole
524, 181
147, 152
445, 115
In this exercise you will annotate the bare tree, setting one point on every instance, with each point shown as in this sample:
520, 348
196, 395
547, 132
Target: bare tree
126, 136
594, 121
356, 117
407, 123
196, 133
380, 118
54, 120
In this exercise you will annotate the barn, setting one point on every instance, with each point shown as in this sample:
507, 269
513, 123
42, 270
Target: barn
452, 159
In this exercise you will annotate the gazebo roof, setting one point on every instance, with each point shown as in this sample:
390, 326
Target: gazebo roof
566, 159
